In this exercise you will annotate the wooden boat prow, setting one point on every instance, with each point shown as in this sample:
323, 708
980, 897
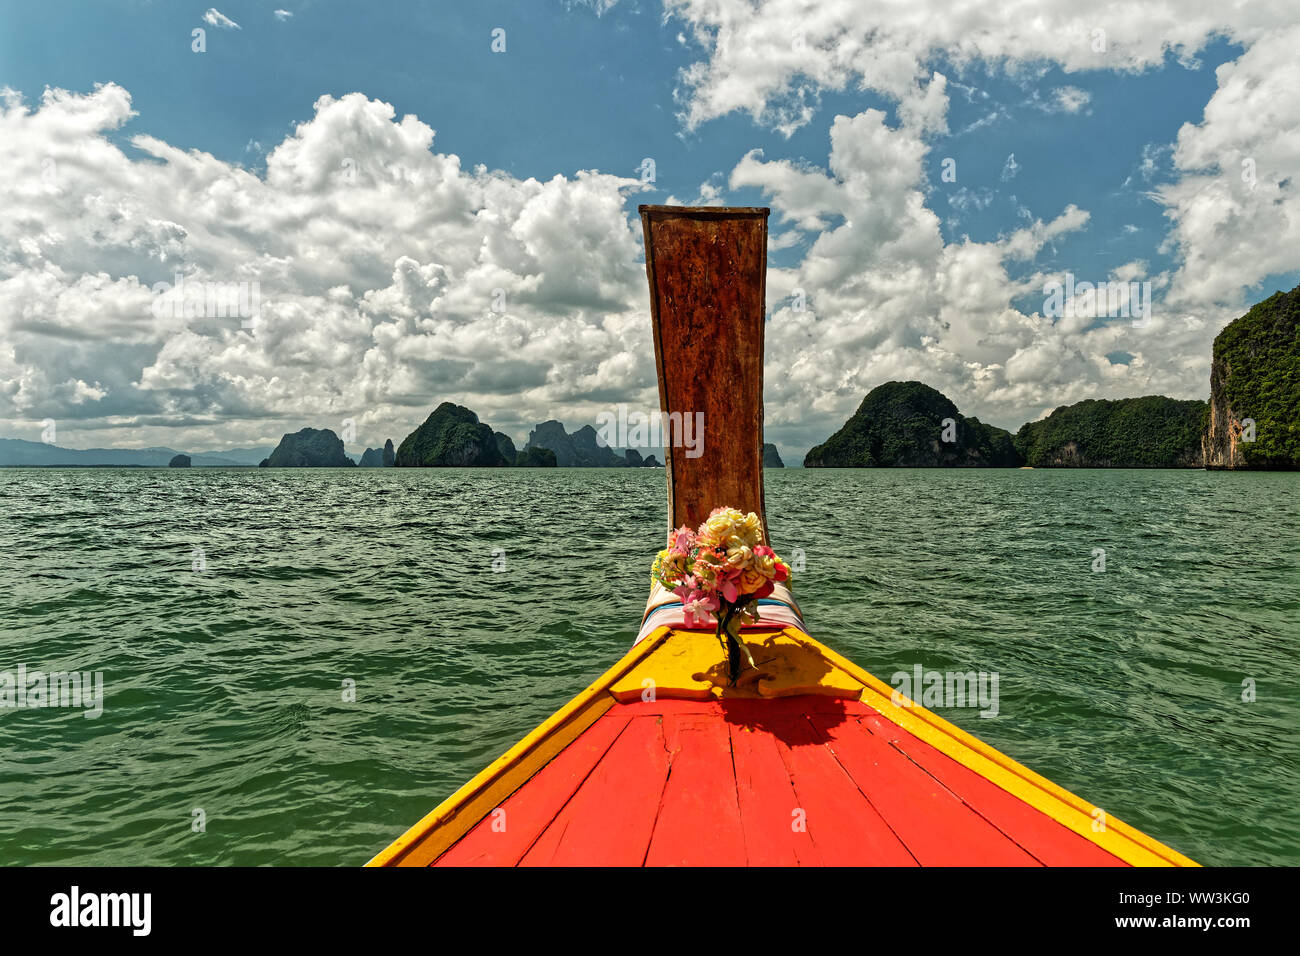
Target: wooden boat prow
708, 283
809, 759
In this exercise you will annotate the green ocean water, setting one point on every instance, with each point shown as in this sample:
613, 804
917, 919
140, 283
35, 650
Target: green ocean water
224, 687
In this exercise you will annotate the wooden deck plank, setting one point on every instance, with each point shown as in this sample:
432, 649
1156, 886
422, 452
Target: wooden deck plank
1038, 834
699, 815
720, 782
843, 825
502, 839
773, 834
935, 826
609, 821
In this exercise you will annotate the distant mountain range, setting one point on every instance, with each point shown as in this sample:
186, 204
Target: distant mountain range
35, 454
1251, 421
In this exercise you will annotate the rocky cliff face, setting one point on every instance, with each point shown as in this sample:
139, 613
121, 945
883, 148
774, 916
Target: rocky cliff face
310, 448
378, 457
1255, 378
910, 425
772, 457
1222, 426
506, 446
551, 434
451, 437
592, 453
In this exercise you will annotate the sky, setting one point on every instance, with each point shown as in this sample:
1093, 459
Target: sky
437, 202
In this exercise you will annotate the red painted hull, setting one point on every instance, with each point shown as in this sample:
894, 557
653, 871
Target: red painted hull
797, 781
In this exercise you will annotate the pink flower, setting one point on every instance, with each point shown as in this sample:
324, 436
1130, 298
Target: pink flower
683, 539
727, 585
699, 608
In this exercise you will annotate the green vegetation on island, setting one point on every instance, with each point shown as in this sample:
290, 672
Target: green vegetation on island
911, 425
451, 437
1149, 432
535, 458
309, 448
1255, 377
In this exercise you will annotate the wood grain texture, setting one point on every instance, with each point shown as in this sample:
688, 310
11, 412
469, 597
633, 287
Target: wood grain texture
797, 781
707, 268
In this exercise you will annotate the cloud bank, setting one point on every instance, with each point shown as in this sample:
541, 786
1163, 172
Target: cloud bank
391, 278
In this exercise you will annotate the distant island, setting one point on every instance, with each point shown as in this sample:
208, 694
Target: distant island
309, 448
1148, 432
583, 449
453, 437
1252, 420
379, 457
911, 425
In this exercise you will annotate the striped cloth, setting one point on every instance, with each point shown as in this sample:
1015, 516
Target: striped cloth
777, 611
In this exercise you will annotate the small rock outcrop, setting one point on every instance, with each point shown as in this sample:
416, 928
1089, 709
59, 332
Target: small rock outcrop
179, 461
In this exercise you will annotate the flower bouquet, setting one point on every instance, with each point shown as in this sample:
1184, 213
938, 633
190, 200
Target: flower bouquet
720, 572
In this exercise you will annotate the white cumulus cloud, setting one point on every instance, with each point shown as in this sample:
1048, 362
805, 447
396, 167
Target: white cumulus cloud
216, 18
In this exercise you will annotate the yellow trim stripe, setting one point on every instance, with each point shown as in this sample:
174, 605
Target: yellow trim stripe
1128, 843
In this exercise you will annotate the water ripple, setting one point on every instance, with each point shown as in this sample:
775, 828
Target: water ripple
229, 689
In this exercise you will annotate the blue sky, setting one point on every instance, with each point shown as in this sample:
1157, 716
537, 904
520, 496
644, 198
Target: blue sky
580, 89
